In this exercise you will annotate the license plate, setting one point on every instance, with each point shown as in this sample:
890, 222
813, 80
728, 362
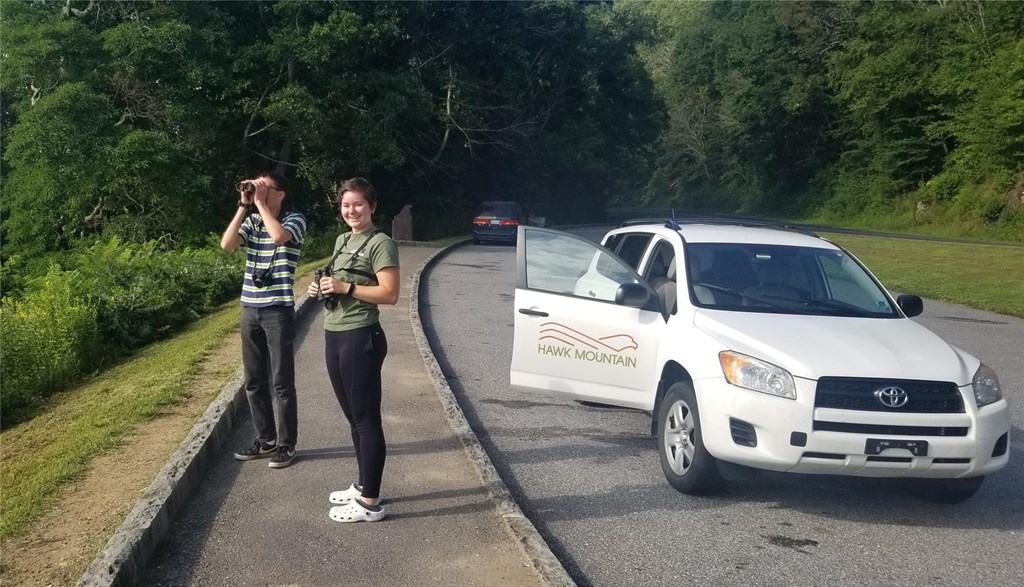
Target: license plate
875, 446
495, 221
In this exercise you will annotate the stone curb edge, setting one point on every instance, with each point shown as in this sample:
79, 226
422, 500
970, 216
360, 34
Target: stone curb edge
124, 558
544, 561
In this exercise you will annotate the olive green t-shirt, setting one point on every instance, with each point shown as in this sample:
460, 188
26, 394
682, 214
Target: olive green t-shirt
381, 252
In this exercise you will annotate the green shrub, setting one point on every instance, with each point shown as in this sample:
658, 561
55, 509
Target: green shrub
142, 293
119, 297
320, 243
45, 339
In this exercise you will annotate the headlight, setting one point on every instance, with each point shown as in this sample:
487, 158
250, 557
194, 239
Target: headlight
755, 375
986, 386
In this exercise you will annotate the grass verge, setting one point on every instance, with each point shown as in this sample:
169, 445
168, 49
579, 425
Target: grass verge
987, 277
54, 448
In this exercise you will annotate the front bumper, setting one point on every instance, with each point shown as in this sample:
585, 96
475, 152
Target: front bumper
787, 439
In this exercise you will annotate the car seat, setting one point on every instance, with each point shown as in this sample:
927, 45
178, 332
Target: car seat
662, 278
731, 270
774, 279
666, 288
699, 263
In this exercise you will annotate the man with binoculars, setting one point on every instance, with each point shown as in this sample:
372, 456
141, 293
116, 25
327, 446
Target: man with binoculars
272, 240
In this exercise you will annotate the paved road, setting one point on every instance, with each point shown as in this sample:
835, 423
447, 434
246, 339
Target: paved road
589, 478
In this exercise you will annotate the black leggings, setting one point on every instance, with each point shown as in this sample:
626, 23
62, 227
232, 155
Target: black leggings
354, 360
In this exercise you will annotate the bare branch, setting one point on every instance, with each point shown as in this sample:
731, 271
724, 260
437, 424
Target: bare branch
252, 134
96, 212
126, 115
256, 110
448, 116
79, 13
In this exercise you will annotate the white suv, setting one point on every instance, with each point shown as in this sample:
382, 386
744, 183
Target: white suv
766, 347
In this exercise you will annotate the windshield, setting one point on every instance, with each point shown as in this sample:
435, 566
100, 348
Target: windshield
783, 279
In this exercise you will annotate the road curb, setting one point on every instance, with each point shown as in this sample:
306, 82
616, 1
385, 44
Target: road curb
123, 560
544, 561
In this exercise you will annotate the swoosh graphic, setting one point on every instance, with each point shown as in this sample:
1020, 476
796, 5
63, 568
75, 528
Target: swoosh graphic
624, 341
556, 338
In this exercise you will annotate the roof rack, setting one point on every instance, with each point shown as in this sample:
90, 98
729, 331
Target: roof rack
676, 223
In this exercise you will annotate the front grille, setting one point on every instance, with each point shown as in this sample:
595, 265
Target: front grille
854, 393
884, 429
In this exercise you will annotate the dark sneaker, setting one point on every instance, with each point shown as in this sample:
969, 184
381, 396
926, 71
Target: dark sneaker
258, 450
283, 457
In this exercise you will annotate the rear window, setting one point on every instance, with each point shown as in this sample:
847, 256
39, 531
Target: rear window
497, 210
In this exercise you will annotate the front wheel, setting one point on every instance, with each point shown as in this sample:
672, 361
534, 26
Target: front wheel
944, 490
687, 464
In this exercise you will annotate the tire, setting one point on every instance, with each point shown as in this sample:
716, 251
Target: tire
944, 490
687, 464
476, 241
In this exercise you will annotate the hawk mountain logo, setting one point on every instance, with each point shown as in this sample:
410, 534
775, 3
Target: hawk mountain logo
583, 347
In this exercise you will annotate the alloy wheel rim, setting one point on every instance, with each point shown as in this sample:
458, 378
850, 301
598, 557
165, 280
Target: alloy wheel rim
679, 438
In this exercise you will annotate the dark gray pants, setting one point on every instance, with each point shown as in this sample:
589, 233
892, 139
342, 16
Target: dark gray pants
268, 359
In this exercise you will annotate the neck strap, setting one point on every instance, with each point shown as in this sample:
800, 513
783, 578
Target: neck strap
355, 254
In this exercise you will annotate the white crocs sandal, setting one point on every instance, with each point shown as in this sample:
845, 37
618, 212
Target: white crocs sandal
354, 511
346, 495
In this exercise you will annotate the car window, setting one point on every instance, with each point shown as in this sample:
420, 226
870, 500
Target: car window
632, 248
850, 284
661, 264
564, 264
782, 279
612, 242
499, 209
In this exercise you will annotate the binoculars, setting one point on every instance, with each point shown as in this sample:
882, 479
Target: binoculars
318, 275
247, 186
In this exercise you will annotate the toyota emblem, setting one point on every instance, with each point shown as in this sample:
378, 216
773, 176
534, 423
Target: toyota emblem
892, 397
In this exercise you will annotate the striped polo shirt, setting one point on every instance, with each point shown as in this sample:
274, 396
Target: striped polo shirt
261, 252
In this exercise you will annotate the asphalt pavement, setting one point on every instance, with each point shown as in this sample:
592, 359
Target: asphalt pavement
449, 520
589, 477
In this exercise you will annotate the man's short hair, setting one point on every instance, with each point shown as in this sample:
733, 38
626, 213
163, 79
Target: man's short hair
279, 180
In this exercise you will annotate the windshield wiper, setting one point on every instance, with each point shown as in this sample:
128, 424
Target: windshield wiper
840, 308
761, 299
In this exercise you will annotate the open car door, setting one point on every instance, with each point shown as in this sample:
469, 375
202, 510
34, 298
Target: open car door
587, 327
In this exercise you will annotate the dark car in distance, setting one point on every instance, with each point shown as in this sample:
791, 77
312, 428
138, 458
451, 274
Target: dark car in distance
497, 221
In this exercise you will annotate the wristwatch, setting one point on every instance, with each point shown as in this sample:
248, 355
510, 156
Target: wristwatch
351, 288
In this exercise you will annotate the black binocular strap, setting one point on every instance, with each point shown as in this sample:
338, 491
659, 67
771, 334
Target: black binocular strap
355, 254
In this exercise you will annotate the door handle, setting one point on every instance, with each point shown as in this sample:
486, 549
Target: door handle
530, 312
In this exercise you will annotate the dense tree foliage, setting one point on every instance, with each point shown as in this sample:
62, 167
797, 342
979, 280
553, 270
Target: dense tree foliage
135, 118
913, 109
126, 123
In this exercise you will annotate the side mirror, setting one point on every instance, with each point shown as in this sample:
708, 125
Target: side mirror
910, 304
632, 295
